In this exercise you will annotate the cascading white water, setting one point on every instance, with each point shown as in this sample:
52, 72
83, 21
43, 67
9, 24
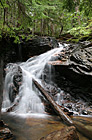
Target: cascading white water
32, 68
8, 83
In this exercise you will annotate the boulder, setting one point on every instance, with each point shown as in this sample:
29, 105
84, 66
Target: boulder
5, 132
67, 133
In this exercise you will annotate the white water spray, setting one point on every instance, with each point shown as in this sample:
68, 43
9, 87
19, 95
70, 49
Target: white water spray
32, 68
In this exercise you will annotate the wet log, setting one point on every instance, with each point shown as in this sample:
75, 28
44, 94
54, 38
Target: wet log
83, 130
62, 114
83, 125
11, 108
54, 105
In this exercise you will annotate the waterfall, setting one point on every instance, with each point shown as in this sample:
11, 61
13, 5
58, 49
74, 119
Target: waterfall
28, 95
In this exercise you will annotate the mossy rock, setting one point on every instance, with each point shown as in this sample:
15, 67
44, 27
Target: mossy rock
73, 40
86, 37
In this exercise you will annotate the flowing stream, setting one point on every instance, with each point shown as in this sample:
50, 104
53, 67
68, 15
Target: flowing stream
28, 120
32, 68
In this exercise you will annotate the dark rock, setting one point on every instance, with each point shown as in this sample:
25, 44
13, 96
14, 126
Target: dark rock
69, 106
37, 46
65, 109
5, 133
74, 75
12, 52
68, 133
84, 112
16, 72
17, 79
68, 97
70, 113
1, 83
2, 124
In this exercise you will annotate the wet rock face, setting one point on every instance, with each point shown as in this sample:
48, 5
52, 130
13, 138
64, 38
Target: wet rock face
68, 133
68, 103
81, 63
21, 52
38, 46
16, 73
74, 70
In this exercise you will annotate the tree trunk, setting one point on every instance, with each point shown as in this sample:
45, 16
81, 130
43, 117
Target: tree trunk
41, 27
53, 104
52, 29
6, 20
33, 29
44, 27
4, 16
4, 12
61, 30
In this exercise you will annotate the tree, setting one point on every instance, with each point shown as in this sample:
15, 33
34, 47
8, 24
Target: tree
44, 17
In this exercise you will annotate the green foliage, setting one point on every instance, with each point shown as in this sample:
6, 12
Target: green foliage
44, 17
73, 40
81, 30
69, 5
86, 6
29, 37
17, 40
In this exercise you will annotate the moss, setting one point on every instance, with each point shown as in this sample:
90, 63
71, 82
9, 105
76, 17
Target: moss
90, 40
73, 40
87, 37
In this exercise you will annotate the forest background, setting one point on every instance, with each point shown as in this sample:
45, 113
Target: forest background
28, 18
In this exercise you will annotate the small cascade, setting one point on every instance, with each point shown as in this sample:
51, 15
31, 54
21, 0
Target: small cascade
27, 96
10, 71
30, 101
60, 98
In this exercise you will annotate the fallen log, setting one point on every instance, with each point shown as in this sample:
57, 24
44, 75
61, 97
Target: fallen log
54, 105
83, 130
11, 108
62, 114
